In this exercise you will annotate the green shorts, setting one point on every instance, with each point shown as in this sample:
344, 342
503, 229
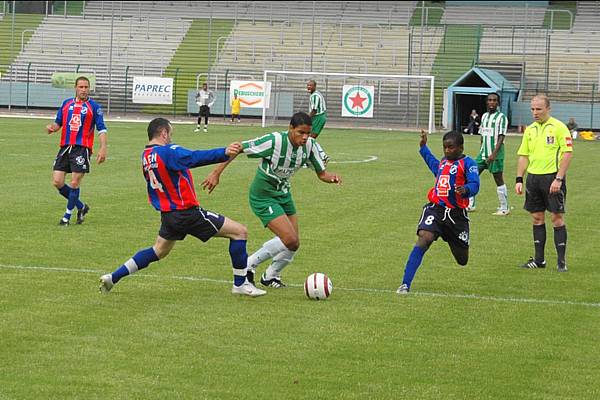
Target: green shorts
494, 167
318, 123
269, 208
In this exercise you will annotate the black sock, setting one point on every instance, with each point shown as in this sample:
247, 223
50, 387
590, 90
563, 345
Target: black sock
539, 242
560, 242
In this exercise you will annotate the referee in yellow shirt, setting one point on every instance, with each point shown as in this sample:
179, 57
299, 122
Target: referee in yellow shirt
545, 152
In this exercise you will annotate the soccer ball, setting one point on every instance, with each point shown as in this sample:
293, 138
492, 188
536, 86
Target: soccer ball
318, 286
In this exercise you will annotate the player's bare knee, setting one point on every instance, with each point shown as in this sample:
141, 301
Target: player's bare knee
425, 239
57, 183
292, 243
161, 252
241, 232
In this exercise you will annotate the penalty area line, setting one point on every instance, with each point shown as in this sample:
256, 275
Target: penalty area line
363, 290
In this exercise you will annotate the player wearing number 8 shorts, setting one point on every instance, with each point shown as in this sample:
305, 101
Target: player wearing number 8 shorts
170, 185
445, 216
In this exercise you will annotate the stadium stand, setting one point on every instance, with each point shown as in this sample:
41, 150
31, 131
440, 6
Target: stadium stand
327, 11
50, 49
494, 15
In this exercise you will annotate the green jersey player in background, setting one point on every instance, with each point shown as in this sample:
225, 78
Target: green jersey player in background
491, 154
282, 154
317, 110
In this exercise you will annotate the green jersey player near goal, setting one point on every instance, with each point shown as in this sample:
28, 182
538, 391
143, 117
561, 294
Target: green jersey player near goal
317, 110
491, 154
282, 154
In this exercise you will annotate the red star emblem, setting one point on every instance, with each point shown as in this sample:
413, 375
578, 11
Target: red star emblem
357, 101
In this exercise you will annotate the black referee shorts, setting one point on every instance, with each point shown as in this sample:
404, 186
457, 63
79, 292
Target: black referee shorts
538, 197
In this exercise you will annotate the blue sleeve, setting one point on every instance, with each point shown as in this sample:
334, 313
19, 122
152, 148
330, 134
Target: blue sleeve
59, 115
99, 115
180, 158
472, 177
432, 162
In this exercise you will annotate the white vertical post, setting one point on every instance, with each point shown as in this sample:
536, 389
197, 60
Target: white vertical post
431, 105
264, 110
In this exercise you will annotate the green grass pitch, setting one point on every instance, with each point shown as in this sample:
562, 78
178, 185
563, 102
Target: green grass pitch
486, 331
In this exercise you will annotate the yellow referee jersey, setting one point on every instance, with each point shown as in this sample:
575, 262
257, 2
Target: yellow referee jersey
545, 145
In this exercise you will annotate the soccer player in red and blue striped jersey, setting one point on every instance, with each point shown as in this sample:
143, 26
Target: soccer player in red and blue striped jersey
78, 117
456, 179
166, 168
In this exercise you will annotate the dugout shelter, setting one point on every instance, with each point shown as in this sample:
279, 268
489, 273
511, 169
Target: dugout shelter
469, 92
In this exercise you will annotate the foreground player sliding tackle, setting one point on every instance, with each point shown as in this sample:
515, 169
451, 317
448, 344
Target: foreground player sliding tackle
456, 179
171, 191
282, 154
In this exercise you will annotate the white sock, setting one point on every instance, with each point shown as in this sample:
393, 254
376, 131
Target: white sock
502, 197
471, 202
268, 250
280, 261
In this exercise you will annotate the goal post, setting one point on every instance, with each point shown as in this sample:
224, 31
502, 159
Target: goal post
396, 101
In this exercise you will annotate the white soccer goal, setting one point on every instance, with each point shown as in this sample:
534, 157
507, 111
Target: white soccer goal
397, 101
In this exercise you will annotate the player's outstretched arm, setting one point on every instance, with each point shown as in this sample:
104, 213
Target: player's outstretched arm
329, 177
212, 180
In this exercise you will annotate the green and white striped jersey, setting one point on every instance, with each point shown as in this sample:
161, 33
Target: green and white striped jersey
317, 102
492, 126
280, 161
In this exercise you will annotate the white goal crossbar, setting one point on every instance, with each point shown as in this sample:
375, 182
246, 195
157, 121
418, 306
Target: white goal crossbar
430, 78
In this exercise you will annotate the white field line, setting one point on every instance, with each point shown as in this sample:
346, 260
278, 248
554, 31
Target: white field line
364, 290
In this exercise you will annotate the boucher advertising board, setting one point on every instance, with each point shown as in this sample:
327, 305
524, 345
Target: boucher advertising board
252, 94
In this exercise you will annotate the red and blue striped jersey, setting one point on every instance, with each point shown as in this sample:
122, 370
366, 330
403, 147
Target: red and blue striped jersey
78, 119
169, 180
448, 175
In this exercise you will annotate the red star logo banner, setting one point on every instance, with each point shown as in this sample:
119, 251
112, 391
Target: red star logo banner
357, 101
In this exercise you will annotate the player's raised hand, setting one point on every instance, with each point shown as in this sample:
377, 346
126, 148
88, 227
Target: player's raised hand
423, 141
460, 190
234, 149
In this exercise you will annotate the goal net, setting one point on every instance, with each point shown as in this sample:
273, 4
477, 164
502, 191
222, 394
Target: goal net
353, 100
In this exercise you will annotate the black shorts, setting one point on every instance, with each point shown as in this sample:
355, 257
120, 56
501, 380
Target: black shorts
72, 159
204, 111
198, 222
452, 224
538, 197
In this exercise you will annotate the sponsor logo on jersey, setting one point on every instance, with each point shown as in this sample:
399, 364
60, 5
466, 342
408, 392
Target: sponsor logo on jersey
75, 122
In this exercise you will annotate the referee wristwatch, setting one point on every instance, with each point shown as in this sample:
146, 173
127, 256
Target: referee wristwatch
558, 178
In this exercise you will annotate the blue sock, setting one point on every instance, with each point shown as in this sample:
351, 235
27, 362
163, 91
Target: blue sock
140, 260
413, 263
65, 192
239, 260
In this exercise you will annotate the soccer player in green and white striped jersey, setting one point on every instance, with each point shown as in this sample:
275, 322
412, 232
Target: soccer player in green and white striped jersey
317, 110
491, 154
282, 154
